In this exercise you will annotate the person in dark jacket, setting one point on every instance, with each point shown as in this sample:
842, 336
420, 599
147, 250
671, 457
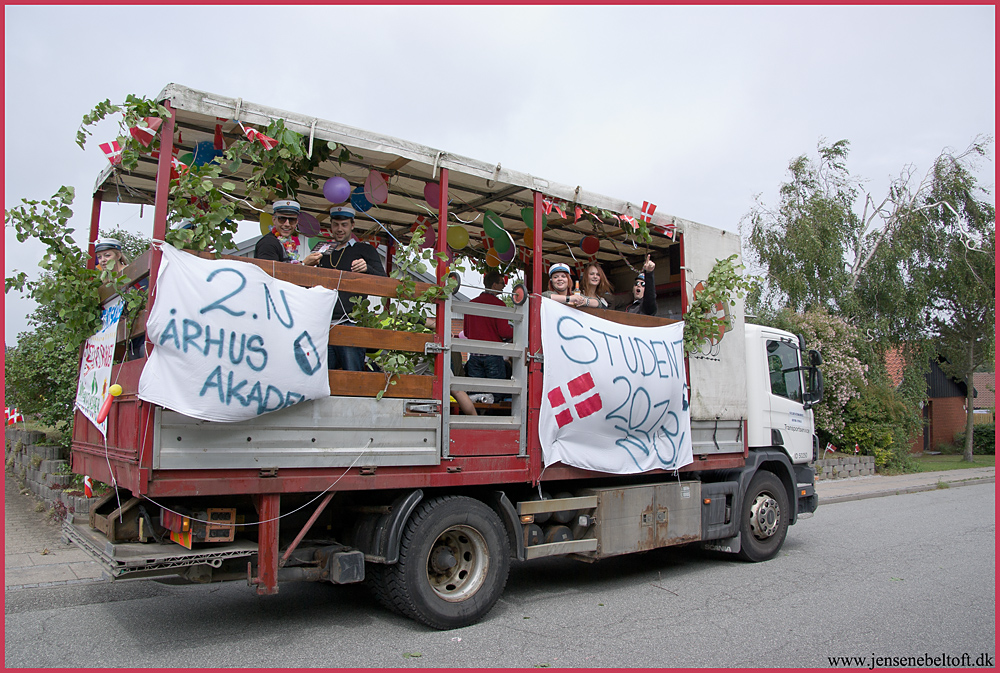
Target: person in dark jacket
281, 244
339, 250
644, 291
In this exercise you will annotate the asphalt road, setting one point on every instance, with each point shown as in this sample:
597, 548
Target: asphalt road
903, 575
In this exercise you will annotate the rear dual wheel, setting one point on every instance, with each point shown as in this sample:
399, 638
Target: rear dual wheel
454, 557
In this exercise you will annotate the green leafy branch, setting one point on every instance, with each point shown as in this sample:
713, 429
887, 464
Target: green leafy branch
410, 312
724, 285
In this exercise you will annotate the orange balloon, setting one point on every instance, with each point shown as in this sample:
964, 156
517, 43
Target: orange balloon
492, 258
529, 238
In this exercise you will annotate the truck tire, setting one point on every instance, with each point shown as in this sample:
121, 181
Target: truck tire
454, 557
764, 521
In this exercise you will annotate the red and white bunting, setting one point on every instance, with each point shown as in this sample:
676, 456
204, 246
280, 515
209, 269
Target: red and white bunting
113, 151
577, 214
548, 205
218, 142
647, 211
253, 134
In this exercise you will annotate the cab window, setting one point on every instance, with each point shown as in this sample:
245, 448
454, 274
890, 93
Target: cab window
783, 368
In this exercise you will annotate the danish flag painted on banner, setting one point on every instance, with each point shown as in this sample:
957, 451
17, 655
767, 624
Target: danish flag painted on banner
577, 388
647, 211
113, 151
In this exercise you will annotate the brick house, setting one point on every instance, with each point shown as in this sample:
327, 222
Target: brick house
985, 404
944, 412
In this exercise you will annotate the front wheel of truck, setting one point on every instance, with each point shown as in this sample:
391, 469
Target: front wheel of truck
764, 521
454, 557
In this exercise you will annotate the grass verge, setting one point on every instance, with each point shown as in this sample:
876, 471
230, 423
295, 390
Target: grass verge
951, 462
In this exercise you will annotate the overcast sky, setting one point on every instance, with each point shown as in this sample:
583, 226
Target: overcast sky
696, 109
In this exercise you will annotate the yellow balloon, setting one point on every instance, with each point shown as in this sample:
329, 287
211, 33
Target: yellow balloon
266, 222
115, 390
529, 238
458, 237
492, 258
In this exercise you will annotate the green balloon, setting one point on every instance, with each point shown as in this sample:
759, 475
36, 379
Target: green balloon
493, 225
502, 242
528, 216
186, 159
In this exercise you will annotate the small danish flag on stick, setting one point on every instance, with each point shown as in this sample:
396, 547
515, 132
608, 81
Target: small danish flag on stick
647, 211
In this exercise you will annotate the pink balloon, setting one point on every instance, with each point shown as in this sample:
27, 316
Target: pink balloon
432, 194
376, 190
430, 236
337, 189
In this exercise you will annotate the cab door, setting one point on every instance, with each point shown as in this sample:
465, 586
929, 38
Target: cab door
790, 427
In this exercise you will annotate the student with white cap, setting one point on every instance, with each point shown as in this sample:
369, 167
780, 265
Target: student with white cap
559, 286
281, 244
341, 251
109, 255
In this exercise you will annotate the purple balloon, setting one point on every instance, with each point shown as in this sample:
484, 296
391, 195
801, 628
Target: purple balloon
308, 225
508, 254
337, 189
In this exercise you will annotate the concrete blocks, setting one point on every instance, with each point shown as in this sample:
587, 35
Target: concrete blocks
844, 467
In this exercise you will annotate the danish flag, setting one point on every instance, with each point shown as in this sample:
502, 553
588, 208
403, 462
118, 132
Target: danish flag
218, 142
666, 229
577, 388
647, 211
145, 134
113, 151
630, 220
88, 487
13, 415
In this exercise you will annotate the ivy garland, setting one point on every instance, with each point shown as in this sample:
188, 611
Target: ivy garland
724, 284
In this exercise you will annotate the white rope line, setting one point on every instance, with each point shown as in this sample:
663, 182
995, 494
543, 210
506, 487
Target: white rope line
282, 516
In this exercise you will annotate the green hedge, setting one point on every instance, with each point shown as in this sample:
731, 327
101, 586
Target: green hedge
983, 440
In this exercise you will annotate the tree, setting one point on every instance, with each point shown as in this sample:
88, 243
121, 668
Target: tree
960, 269
815, 249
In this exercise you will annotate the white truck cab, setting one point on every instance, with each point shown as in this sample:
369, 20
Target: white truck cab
779, 397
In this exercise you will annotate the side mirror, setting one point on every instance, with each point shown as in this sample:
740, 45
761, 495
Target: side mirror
815, 359
814, 385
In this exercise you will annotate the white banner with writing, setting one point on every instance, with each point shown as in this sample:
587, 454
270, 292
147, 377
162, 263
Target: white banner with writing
95, 366
614, 397
230, 342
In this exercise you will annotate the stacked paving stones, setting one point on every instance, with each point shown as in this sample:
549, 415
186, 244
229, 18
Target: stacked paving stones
842, 468
40, 468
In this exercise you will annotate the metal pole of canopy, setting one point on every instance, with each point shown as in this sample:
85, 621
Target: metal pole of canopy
442, 271
535, 342
163, 167
95, 228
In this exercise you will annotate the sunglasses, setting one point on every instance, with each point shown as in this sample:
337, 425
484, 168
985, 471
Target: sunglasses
640, 283
286, 218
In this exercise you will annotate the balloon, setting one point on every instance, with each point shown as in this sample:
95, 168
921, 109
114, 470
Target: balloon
205, 152
493, 225
432, 194
308, 225
358, 200
458, 237
376, 190
186, 159
528, 216
508, 254
492, 259
266, 222
590, 245
529, 239
337, 189
430, 236
502, 242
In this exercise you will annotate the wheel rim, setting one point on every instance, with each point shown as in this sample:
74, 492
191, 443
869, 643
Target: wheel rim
765, 516
458, 563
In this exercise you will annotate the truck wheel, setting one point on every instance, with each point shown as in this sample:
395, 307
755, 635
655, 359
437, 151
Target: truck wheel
765, 518
454, 556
